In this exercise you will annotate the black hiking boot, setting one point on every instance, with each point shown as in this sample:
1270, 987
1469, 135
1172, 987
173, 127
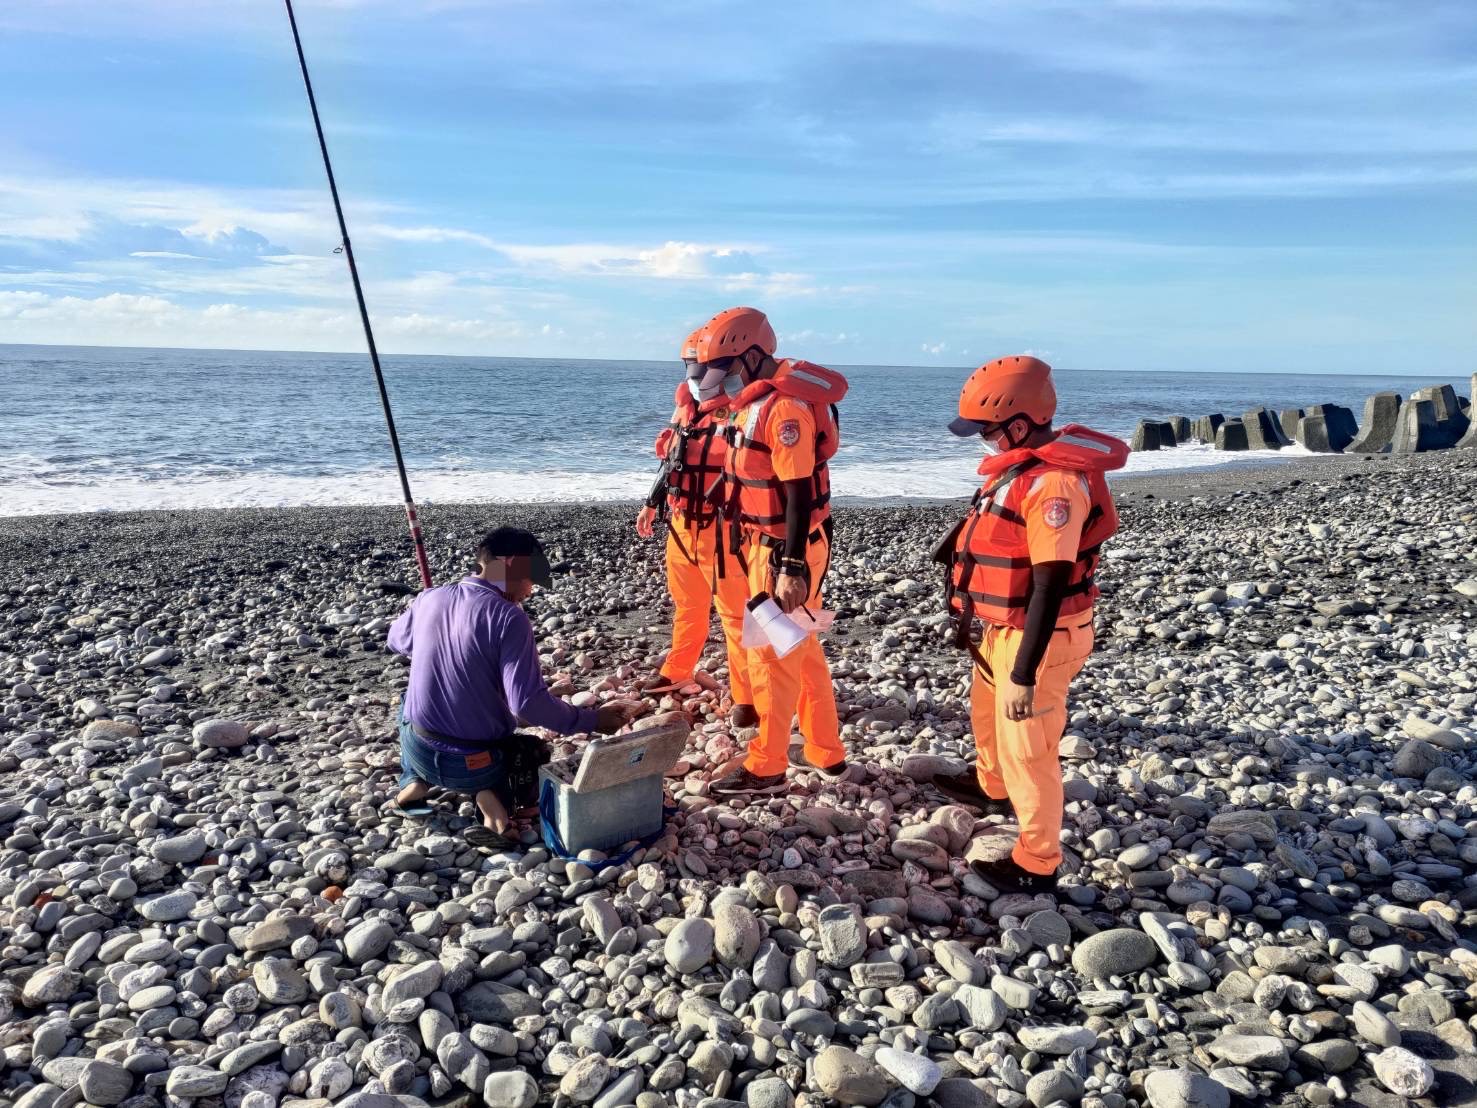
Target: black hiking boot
743, 715
1008, 877
965, 789
740, 782
830, 771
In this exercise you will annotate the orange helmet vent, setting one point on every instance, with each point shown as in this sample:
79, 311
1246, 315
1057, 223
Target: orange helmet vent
728, 334
1018, 385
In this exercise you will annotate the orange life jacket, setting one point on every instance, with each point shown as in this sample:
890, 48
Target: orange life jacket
752, 496
989, 565
693, 448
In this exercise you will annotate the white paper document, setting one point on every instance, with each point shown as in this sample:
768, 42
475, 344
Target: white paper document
768, 626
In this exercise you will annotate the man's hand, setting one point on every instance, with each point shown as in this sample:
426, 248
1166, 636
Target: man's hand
790, 592
644, 520
1019, 700
611, 716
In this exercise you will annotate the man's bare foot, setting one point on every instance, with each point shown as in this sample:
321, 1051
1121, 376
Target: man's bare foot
494, 815
413, 793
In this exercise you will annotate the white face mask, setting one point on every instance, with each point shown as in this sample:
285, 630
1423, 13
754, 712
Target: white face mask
995, 444
999, 441
705, 384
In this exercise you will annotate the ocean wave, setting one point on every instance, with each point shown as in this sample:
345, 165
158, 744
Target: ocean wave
45, 489
947, 477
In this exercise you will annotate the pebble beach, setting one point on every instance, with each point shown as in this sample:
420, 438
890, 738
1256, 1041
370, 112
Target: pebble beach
1269, 894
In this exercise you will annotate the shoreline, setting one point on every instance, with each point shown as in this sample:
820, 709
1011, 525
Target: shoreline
1227, 477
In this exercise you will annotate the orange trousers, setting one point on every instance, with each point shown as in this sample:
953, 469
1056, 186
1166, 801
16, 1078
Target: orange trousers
693, 581
800, 682
1019, 758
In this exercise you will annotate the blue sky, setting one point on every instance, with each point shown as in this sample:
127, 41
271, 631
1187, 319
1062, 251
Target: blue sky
1115, 184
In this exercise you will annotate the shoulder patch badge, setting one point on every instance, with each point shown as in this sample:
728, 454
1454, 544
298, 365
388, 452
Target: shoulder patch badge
1056, 511
789, 432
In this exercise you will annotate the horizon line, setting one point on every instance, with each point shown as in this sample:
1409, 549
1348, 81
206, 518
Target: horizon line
660, 361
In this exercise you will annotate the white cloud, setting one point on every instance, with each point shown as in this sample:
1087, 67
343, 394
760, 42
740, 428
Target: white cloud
811, 335
1302, 135
140, 230
124, 319
671, 260
45, 227
66, 209
426, 234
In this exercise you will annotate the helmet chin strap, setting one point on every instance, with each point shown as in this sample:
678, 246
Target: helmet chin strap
747, 367
993, 441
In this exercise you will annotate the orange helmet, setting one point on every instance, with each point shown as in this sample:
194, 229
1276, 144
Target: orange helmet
999, 391
729, 334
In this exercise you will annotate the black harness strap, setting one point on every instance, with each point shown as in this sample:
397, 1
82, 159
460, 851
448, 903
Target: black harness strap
677, 538
966, 560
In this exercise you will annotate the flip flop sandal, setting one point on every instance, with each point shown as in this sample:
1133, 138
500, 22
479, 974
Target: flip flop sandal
485, 839
413, 811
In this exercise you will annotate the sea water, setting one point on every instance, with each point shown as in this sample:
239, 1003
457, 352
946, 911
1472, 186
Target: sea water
105, 429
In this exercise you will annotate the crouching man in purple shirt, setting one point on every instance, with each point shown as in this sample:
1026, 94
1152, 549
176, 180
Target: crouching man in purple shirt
474, 673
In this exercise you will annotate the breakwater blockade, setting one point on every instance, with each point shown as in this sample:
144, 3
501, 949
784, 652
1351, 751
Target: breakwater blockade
1434, 418
1271, 844
96, 429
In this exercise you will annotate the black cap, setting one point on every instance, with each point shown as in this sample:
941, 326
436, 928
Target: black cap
514, 542
964, 428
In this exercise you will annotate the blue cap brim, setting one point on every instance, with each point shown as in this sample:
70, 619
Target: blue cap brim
966, 428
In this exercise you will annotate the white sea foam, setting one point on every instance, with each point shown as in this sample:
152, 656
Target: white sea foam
952, 475
30, 497
948, 476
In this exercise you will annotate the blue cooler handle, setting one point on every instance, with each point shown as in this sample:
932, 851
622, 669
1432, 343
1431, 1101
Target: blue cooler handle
556, 844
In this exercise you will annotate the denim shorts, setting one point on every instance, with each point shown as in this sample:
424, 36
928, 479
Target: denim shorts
462, 773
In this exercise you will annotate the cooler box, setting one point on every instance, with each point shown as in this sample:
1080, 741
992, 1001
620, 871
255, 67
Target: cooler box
612, 793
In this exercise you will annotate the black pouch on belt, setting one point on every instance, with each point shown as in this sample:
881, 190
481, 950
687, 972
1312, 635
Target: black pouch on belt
524, 757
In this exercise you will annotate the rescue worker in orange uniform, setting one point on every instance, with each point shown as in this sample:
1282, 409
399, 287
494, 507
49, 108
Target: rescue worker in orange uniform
1022, 564
776, 496
692, 449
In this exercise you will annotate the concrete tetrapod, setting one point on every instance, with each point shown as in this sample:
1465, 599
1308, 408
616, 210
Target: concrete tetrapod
1263, 430
1289, 421
1231, 435
1206, 426
1418, 429
1377, 429
1451, 422
1167, 437
1340, 422
1145, 436
1326, 428
1469, 440
1181, 427
1312, 432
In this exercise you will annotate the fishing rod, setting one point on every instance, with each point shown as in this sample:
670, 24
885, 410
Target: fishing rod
374, 357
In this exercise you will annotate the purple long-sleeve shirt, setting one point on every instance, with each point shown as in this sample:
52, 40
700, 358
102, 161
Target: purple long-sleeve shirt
474, 671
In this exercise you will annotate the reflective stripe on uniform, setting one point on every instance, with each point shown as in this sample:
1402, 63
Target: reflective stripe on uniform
797, 373
1080, 440
1081, 481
